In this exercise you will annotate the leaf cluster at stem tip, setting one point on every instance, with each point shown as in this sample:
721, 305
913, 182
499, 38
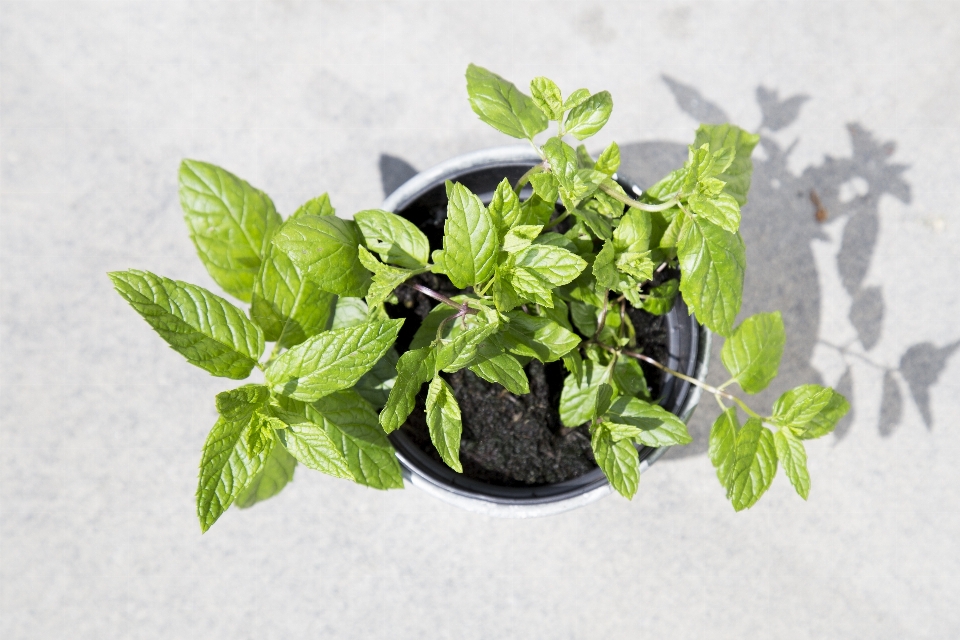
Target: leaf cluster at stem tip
548, 273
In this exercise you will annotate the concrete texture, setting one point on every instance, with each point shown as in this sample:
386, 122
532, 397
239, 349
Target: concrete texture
102, 424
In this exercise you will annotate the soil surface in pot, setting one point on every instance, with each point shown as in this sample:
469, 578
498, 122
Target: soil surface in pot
511, 440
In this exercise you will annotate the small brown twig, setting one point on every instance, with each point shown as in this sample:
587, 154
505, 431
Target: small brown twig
821, 215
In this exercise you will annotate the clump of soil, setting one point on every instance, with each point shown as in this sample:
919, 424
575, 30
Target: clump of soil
511, 440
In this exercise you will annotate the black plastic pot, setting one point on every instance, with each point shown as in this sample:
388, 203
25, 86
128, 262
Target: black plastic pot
423, 200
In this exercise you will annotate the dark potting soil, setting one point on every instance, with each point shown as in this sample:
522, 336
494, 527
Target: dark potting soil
511, 440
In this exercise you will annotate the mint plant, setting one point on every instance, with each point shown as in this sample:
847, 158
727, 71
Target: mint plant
537, 281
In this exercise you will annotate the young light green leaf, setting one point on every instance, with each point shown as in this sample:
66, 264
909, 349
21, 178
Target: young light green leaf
385, 278
493, 365
752, 354
619, 461
527, 286
349, 312
536, 210
308, 441
331, 361
584, 159
286, 305
375, 384
754, 466
537, 337
629, 379
319, 206
549, 263
469, 239
546, 95
230, 223
723, 445
575, 99
351, 423
275, 473
578, 400
461, 349
737, 175
604, 267
722, 210
505, 207
633, 232
413, 369
657, 426
599, 225
609, 160
501, 105
443, 419
562, 159
397, 240
325, 249
207, 330
545, 185
660, 299
668, 186
810, 411
712, 264
793, 457
589, 116
520, 237
638, 265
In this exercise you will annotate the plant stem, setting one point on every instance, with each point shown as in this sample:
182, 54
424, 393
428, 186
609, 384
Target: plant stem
559, 219
630, 202
439, 297
602, 320
525, 178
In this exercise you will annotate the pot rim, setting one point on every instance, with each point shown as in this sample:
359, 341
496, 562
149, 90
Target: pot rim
549, 504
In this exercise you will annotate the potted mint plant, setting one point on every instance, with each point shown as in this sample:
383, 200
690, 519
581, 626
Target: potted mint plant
530, 280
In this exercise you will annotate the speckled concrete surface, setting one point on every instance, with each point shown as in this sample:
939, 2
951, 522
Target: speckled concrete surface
101, 424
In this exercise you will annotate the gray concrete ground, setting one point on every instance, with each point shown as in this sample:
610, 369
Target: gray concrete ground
102, 424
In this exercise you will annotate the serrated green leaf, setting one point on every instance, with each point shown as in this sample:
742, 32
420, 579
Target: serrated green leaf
599, 225
386, 278
207, 330
469, 239
505, 207
752, 354
443, 419
633, 232
465, 338
527, 286
260, 434
375, 384
545, 185
629, 379
501, 105
552, 264
351, 423
578, 400
427, 331
737, 175
286, 305
723, 445
546, 95
619, 461
397, 240
308, 441
668, 186
712, 264
576, 98
537, 337
349, 312
413, 369
520, 237
671, 235
230, 223
604, 267
495, 366
754, 466
331, 361
584, 159
638, 265
319, 206
604, 398
588, 117
325, 249
660, 299
609, 160
535, 210
275, 473
722, 210
810, 411
657, 426
793, 457
604, 203
562, 159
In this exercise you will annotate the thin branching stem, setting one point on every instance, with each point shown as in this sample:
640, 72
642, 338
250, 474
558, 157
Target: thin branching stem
642, 206
525, 178
439, 297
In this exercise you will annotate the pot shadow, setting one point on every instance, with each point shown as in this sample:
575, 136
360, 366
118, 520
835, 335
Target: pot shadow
785, 215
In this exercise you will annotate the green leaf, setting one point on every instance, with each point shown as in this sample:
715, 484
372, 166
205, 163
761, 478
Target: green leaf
604, 267
810, 411
549, 263
619, 461
546, 95
546, 186
598, 224
537, 337
563, 162
427, 331
413, 369
609, 160
520, 237
633, 233
325, 249
495, 366
584, 158
349, 312
375, 384
660, 299
308, 441
230, 223
505, 207
793, 457
501, 105
723, 445
737, 175
752, 354
578, 400
721, 210
668, 186
351, 423
469, 239
465, 338
754, 466
443, 419
656, 426
629, 379
286, 304
207, 330
712, 264
331, 361
575, 98
385, 278
638, 265
319, 206
536, 210
276, 471
397, 240
589, 116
